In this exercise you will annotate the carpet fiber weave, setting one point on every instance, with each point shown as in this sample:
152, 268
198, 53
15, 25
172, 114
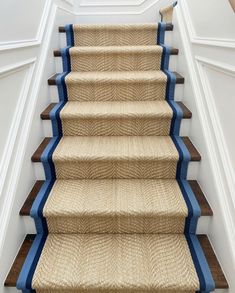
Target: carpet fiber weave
118, 207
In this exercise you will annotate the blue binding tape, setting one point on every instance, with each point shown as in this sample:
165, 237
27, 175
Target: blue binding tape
194, 211
37, 208
207, 283
66, 59
184, 157
176, 119
161, 33
69, 35
25, 278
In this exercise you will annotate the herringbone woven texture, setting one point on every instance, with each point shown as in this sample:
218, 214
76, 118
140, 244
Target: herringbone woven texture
116, 58
115, 157
115, 35
116, 118
115, 263
116, 214
116, 86
115, 206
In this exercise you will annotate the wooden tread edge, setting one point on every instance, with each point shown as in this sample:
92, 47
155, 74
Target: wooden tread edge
45, 115
217, 273
169, 27
174, 51
195, 156
179, 79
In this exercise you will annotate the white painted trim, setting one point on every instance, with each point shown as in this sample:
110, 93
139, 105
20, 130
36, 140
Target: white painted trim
23, 133
34, 42
224, 183
133, 12
10, 69
194, 39
23, 99
216, 65
85, 3
224, 171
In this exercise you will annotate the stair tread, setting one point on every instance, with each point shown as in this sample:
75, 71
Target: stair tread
205, 207
113, 109
116, 77
45, 115
195, 156
121, 197
119, 261
115, 148
114, 49
169, 27
57, 53
217, 273
153, 75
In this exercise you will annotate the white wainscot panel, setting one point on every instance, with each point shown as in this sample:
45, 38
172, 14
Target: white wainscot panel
11, 87
20, 20
221, 100
210, 19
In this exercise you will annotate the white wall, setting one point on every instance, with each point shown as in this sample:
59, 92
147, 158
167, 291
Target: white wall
26, 58
204, 33
207, 60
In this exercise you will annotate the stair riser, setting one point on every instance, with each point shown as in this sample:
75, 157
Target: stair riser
193, 169
90, 127
168, 39
116, 62
97, 128
173, 64
202, 227
119, 169
132, 224
179, 89
116, 92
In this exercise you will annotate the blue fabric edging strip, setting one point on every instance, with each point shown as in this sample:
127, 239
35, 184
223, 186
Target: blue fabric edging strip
176, 119
66, 59
55, 119
69, 35
184, 157
26, 275
194, 211
61, 86
161, 33
207, 283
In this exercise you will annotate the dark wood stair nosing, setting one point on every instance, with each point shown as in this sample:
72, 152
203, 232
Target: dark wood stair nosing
169, 27
179, 79
45, 115
16, 267
174, 51
217, 273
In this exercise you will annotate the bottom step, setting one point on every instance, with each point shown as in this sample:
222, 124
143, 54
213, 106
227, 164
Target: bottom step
217, 273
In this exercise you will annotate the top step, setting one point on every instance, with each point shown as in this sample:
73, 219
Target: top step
115, 35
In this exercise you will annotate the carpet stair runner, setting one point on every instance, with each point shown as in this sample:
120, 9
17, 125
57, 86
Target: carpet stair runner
116, 213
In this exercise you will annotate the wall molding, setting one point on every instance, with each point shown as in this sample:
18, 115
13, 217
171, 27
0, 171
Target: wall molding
194, 38
217, 155
216, 65
18, 66
87, 3
134, 11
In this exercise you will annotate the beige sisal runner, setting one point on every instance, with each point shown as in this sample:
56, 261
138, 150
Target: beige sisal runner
115, 263
116, 118
115, 206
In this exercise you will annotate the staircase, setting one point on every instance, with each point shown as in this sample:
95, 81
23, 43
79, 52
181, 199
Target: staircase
116, 212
